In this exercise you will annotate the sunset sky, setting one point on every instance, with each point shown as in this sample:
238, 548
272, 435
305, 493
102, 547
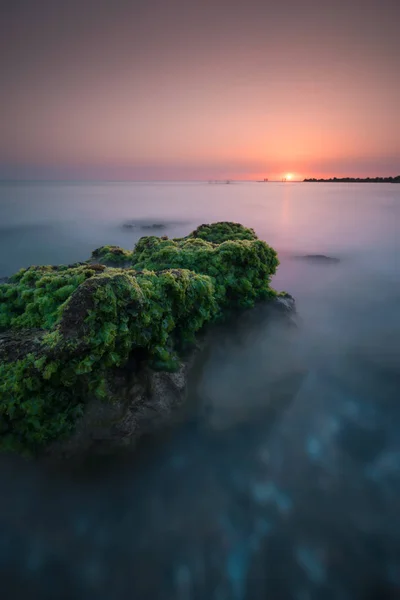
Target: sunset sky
178, 89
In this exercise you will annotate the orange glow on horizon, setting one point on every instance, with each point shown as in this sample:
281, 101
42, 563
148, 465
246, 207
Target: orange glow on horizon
275, 176
192, 92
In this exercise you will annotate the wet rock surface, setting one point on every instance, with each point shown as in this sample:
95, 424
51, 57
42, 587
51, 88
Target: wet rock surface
15, 345
145, 401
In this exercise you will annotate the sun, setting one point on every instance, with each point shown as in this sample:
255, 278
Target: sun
289, 176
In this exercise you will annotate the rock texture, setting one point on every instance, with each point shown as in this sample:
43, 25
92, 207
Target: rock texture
147, 400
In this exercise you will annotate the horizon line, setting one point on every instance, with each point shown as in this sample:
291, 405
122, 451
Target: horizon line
223, 180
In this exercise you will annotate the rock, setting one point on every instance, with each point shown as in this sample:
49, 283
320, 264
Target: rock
154, 226
138, 225
284, 303
283, 308
143, 400
147, 224
16, 344
251, 369
90, 331
318, 258
147, 401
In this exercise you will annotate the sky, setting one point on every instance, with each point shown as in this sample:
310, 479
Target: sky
183, 89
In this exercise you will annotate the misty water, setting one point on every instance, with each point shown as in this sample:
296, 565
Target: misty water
233, 500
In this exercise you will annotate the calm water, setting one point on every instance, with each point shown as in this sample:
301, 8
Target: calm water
232, 502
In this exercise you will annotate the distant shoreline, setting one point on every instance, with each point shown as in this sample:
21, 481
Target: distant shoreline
355, 180
6, 181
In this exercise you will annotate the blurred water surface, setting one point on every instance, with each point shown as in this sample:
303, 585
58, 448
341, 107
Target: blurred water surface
233, 501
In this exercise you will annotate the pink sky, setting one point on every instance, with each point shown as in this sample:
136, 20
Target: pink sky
177, 90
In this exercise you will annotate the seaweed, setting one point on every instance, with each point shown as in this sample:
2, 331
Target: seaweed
67, 329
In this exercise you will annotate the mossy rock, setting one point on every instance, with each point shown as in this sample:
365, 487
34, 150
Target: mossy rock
222, 232
111, 255
70, 331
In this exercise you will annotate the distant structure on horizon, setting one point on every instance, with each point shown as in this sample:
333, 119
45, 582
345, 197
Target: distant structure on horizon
355, 180
218, 181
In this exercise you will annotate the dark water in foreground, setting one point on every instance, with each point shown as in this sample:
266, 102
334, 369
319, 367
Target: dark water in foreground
233, 502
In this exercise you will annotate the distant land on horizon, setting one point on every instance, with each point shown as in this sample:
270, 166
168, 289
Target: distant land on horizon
78, 181
355, 180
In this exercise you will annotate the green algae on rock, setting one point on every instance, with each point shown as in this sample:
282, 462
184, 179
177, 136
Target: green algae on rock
221, 232
71, 332
113, 255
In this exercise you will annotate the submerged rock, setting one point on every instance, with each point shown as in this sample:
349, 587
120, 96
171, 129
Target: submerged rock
148, 224
138, 225
145, 401
285, 303
318, 258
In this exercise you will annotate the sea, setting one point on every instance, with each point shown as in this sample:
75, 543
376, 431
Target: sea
232, 501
